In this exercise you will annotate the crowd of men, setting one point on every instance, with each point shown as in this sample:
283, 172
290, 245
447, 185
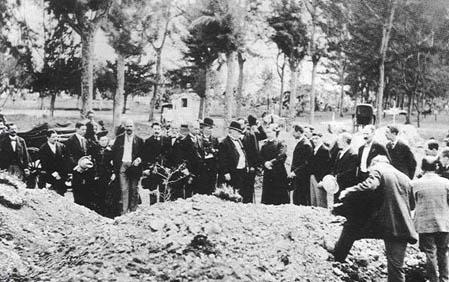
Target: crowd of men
179, 162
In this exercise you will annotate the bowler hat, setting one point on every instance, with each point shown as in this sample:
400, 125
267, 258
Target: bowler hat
236, 126
252, 120
207, 122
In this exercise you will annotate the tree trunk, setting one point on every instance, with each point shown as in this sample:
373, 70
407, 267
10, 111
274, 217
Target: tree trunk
87, 85
410, 108
229, 103
156, 84
125, 102
52, 104
281, 94
239, 95
293, 86
342, 90
383, 53
118, 96
312, 92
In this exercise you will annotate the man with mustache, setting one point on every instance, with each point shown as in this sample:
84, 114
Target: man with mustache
126, 153
13, 153
369, 151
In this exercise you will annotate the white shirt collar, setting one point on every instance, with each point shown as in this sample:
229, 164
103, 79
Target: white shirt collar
13, 138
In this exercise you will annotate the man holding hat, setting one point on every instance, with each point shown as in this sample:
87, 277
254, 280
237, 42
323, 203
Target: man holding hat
320, 165
232, 161
208, 176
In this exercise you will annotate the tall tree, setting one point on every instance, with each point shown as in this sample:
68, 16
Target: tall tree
84, 17
290, 35
157, 27
121, 28
224, 17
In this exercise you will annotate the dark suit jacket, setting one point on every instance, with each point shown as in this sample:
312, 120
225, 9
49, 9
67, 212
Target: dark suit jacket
320, 163
376, 150
302, 156
192, 153
53, 162
156, 150
8, 156
252, 150
74, 151
402, 158
345, 169
228, 157
117, 151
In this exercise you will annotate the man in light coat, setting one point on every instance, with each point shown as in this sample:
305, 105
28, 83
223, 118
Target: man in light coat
431, 193
392, 221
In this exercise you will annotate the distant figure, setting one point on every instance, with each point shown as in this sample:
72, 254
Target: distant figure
92, 127
102, 201
300, 172
432, 148
14, 154
431, 193
402, 157
275, 182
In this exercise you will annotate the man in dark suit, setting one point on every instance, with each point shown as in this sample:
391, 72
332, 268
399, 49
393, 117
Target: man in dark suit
401, 156
346, 163
251, 137
126, 159
77, 147
368, 151
154, 152
233, 163
14, 153
208, 176
191, 152
302, 156
53, 163
320, 166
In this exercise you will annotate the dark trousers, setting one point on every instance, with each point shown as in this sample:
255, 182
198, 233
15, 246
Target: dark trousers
435, 246
250, 181
395, 252
344, 244
301, 194
207, 179
239, 180
59, 186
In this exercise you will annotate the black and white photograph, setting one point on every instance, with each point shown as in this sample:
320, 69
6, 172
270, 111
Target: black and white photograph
224, 140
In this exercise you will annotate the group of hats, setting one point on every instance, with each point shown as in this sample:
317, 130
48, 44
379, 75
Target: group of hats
235, 125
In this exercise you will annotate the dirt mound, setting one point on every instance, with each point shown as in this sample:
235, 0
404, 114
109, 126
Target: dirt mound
203, 238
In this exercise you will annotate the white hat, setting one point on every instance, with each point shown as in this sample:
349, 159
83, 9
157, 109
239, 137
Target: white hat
330, 184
